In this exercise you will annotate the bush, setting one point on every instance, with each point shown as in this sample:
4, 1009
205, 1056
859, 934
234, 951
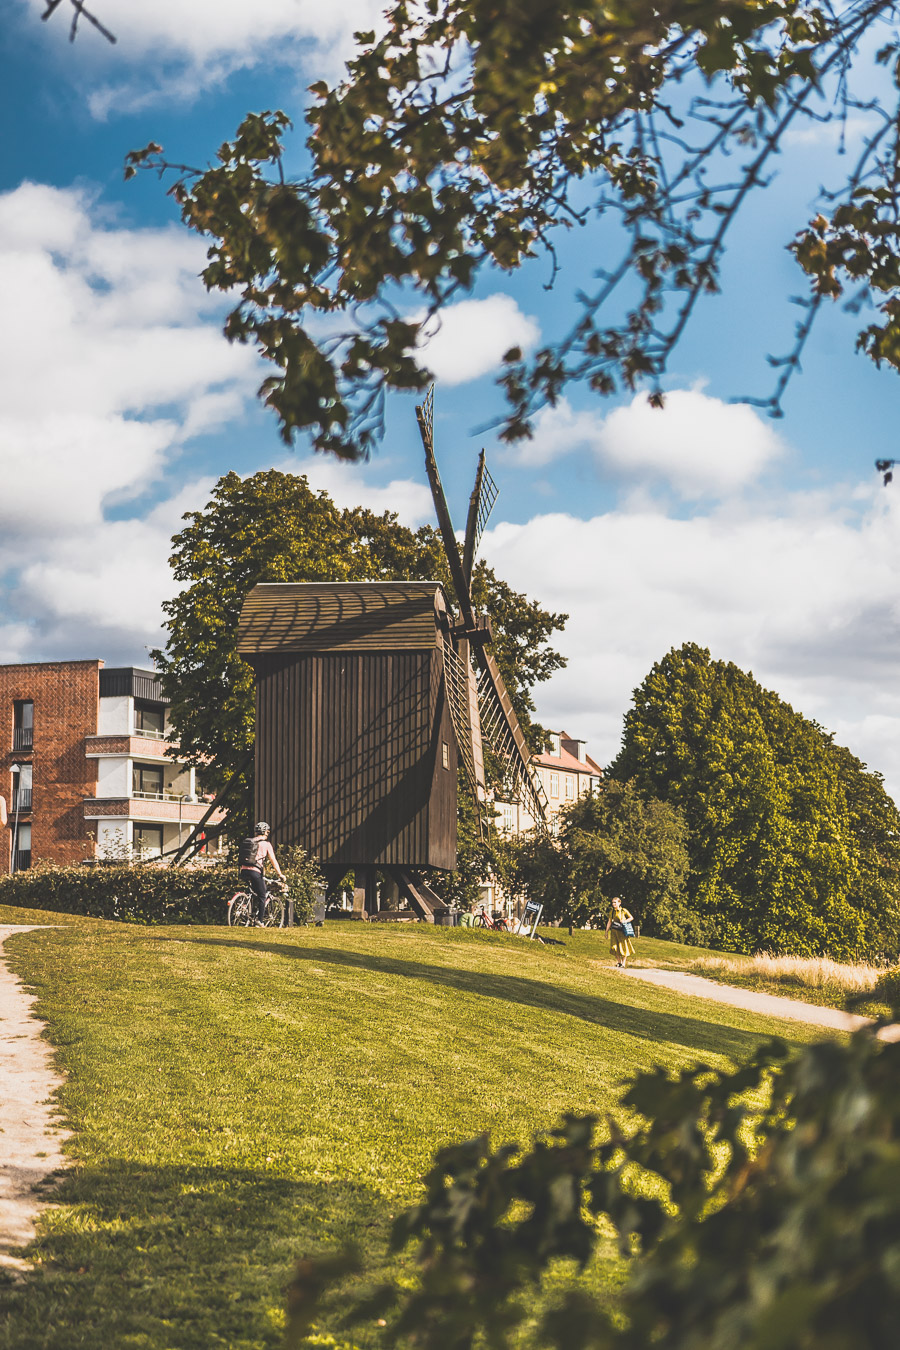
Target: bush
152, 894
887, 988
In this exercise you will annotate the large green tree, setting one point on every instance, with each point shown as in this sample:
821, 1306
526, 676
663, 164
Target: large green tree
273, 527
468, 137
615, 842
793, 845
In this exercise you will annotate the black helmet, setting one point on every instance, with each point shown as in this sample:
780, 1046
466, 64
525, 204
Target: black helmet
262, 827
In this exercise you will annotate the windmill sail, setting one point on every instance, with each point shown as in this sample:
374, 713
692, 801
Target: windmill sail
480, 707
460, 678
501, 730
481, 504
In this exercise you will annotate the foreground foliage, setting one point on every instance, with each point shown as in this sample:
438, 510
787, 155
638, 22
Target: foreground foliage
467, 138
759, 1209
794, 846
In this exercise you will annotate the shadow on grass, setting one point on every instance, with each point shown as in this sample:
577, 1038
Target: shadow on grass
706, 1037
178, 1258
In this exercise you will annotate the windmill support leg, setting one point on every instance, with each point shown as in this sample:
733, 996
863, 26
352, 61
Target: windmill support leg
421, 897
365, 891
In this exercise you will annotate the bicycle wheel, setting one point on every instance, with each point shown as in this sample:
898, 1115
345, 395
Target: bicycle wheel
240, 910
275, 912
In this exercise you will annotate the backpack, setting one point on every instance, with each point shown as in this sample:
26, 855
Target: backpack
250, 851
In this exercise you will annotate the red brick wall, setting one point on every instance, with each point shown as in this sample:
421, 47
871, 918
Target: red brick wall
65, 696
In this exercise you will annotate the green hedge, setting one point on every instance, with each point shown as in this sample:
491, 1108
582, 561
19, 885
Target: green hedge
132, 893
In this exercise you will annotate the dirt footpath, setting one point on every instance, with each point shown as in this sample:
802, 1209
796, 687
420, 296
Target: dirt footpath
770, 1005
30, 1139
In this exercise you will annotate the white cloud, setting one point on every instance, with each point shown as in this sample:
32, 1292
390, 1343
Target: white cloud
806, 597
168, 49
471, 338
695, 444
350, 485
114, 359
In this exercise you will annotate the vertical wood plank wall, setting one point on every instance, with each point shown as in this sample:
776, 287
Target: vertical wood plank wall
349, 756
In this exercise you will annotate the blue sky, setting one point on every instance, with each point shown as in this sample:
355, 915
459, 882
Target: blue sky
770, 542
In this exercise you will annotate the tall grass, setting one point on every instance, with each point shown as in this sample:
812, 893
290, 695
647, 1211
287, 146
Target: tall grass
803, 972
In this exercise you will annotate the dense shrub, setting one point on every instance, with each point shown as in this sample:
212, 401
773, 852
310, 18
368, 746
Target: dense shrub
136, 893
887, 988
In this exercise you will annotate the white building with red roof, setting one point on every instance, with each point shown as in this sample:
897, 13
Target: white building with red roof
567, 773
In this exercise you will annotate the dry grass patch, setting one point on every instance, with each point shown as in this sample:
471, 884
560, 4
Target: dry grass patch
815, 979
808, 972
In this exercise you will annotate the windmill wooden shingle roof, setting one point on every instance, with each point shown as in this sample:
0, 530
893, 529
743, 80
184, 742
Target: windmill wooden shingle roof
328, 616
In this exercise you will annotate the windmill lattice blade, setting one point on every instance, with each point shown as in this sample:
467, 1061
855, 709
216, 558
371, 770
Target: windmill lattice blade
425, 414
489, 494
457, 684
500, 728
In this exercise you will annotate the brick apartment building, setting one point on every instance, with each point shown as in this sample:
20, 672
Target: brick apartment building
83, 764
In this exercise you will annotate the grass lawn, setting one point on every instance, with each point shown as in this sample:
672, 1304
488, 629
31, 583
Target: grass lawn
241, 1098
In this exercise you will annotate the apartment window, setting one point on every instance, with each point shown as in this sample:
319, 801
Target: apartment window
23, 724
554, 785
148, 840
21, 794
21, 848
147, 780
570, 788
445, 754
509, 819
149, 718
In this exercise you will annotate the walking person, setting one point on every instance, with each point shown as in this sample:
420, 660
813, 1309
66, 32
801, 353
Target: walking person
620, 926
254, 852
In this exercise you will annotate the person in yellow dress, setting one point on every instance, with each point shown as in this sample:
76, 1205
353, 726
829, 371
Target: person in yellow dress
620, 945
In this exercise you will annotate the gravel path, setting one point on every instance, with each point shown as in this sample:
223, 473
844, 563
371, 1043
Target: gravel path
770, 1005
30, 1138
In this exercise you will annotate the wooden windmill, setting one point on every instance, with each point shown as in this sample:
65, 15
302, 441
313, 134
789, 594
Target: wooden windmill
368, 694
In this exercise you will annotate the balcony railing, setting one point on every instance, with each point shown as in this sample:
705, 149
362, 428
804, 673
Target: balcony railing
21, 800
21, 860
23, 738
148, 734
162, 796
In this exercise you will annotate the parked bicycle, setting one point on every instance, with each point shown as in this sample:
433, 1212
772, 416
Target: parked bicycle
496, 923
242, 904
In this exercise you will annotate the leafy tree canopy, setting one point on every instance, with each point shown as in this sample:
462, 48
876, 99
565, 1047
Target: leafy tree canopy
616, 842
273, 527
467, 136
794, 846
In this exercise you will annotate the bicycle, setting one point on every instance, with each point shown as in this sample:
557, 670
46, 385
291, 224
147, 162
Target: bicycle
496, 924
242, 906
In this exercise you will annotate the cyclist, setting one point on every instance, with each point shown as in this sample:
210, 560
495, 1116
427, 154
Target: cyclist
254, 851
